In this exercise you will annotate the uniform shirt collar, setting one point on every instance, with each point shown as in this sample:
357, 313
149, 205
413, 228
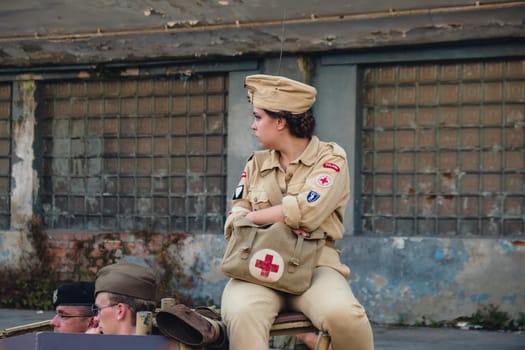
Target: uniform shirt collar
308, 157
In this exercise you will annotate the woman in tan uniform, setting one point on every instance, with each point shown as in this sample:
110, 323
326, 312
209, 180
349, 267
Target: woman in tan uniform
314, 182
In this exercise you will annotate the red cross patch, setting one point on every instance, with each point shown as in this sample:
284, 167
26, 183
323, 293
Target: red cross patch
324, 180
266, 265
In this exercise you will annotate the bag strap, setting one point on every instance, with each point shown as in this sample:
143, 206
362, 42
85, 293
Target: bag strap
294, 261
245, 251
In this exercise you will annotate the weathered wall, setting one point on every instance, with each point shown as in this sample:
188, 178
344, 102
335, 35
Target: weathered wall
403, 279
409, 279
397, 278
24, 179
115, 31
24, 176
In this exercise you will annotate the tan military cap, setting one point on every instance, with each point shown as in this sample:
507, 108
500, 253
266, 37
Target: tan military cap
127, 278
276, 94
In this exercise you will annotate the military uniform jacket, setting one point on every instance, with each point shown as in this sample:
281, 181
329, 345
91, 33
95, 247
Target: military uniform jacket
314, 191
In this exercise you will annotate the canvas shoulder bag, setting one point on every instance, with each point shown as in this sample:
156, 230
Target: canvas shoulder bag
272, 255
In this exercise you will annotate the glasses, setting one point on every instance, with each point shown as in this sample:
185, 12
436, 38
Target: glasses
96, 309
65, 317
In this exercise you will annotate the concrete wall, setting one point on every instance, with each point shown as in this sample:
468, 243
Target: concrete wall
403, 279
46, 32
400, 278
407, 279
396, 278
23, 185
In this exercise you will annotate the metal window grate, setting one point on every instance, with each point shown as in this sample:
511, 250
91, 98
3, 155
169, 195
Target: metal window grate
444, 149
5, 155
134, 155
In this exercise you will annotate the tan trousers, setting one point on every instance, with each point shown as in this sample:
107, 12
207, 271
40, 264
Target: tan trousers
249, 310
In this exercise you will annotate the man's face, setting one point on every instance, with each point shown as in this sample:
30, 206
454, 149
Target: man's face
72, 319
107, 314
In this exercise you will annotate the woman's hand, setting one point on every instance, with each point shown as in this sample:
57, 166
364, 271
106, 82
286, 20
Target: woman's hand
267, 215
270, 216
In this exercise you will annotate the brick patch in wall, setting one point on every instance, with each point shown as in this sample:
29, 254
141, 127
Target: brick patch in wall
78, 256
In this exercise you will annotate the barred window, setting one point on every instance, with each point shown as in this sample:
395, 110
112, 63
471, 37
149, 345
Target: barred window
134, 155
444, 149
5, 156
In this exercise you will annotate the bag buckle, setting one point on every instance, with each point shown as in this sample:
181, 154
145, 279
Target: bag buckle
294, 261
245, 252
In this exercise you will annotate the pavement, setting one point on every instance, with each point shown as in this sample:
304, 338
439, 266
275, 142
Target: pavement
386, 337
11, 317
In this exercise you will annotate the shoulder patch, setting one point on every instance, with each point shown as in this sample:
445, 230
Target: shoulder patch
312, 196
324, 180
238, 192
332, 166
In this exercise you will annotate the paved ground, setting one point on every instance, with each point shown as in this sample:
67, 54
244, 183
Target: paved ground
11, 318
386, 338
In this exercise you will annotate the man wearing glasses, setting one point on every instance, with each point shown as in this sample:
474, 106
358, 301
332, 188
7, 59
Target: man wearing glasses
72, 303
121, 290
